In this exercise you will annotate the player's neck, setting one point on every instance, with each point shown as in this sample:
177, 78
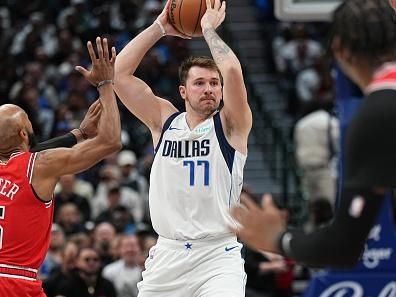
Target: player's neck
361, 76
194, 120
6, 155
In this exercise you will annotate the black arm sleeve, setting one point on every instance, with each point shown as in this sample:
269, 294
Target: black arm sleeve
67, 140
340, 244
370, 144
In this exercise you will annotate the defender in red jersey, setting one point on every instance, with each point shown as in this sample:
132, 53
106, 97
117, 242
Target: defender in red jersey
27, 180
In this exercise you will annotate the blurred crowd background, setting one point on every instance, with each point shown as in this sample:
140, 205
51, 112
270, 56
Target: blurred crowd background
102, 232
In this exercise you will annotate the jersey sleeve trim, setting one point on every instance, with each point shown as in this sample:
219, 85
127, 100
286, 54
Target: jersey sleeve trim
30, 167
165, 127
227, 150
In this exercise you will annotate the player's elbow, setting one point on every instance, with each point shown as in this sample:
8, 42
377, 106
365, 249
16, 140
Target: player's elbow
111, 142
232, 70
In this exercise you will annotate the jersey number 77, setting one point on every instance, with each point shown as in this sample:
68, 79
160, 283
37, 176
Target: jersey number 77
192, 164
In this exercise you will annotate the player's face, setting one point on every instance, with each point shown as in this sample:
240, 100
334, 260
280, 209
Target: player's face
32, 141
203, 90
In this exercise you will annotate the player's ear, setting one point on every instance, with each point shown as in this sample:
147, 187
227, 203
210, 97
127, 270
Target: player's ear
24, 135
339, 51
182, 91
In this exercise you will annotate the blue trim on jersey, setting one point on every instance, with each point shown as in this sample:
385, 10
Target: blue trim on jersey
167, 123
226, 149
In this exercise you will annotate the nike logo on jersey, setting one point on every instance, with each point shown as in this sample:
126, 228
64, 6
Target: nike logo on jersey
174, 128
227, 249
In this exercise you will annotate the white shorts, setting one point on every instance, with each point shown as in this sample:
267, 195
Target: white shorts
196, 268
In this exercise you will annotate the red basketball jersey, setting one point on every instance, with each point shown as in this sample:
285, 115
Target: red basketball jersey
25, 220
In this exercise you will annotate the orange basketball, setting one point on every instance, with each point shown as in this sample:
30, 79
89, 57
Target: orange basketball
185, 16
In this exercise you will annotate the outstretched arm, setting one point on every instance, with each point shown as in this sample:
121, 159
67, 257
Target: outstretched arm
136, 95
338, 245
236, 109
52, 164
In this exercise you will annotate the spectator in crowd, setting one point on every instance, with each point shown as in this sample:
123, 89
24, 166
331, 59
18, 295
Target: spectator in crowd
85, 279
131, 177
54, 283
103, 235
68, 195
53, 259
126, 272
316, 140
69, 218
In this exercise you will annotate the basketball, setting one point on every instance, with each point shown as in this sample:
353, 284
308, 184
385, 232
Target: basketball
185, 16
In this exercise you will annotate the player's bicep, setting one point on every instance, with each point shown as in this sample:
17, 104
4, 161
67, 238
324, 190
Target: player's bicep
62, 161
236, 108
140, 100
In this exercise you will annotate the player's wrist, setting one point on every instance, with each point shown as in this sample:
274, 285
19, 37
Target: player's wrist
77, 134
161, 27
283, 243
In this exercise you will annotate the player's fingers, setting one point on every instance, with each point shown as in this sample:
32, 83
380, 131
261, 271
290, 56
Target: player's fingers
222, 8
222, 17
92, 107
95, 107
248, 203
208, 4
240, 214
91, 51
217, 5
105, 49
99, 47
167, 5
82, 70
113, 55
267, 202
184, 36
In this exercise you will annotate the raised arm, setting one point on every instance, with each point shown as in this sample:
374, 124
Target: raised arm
53, 163
238, 117
136, 95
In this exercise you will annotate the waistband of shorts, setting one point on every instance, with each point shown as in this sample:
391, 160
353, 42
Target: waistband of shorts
195, 243
12, 271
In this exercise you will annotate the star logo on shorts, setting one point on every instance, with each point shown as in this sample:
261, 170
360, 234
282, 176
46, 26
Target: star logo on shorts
188, 246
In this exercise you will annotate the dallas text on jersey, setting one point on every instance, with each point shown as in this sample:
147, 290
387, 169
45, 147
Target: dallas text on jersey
186, 149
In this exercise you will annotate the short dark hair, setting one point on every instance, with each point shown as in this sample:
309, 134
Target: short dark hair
366, 28
201, 61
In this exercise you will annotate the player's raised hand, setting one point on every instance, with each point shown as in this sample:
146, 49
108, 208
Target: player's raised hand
163, 20
102, 64
214, 15
260, 227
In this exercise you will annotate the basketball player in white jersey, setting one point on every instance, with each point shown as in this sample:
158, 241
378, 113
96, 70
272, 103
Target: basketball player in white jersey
197, 172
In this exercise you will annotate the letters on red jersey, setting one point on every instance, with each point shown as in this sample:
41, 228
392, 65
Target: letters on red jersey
25, 220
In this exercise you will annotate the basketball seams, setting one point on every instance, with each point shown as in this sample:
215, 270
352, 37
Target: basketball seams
199, 18
180, 18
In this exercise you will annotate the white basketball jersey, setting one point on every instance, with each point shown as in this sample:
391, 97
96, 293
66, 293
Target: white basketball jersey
195, 178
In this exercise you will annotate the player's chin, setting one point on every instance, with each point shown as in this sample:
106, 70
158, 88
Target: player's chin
208, 110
